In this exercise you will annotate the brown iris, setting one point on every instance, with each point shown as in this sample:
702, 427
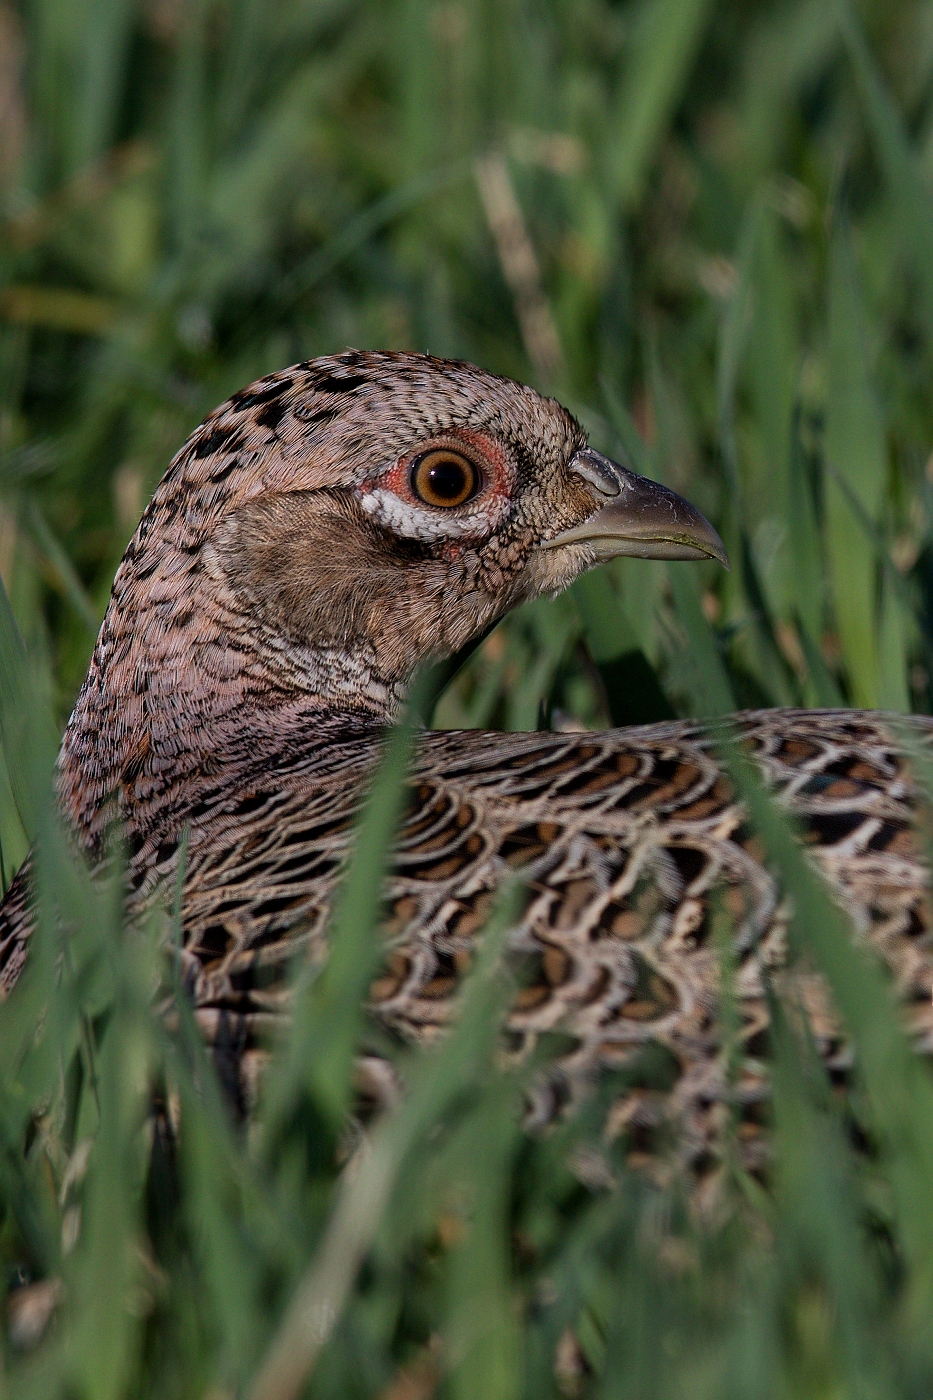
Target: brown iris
443, 478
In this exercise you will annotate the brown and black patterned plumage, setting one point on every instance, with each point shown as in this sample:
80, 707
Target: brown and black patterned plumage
285, 581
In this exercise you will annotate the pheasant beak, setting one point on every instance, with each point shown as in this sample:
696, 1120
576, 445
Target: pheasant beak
637, 517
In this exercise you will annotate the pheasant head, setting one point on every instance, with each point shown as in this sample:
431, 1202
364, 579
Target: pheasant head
318, 537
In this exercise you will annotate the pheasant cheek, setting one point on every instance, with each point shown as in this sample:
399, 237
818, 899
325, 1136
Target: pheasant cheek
320, 576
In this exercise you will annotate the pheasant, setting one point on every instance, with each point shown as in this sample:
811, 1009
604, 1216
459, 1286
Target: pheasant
316, 539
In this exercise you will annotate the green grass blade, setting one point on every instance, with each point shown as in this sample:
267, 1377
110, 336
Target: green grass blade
482, 1334
436, 1082
773, 372
328, 1013
101, 52
704, 671
26, 728
633, 691
898, 1091
912, 225
818, 1199
826, 692
857, 451
105, 1273
664, 45
71, 586
895, 629
807, 587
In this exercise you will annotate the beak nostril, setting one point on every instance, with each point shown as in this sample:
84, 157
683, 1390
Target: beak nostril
597, 470
637, 517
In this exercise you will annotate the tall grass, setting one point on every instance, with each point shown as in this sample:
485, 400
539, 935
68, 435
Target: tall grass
724, 219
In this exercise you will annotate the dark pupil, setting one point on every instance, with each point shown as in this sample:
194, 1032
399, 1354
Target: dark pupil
447, 479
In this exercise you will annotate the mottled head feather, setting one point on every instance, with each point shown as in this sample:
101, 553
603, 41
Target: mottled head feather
280, 577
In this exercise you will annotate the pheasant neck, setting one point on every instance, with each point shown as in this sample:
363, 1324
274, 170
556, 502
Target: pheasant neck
141, 752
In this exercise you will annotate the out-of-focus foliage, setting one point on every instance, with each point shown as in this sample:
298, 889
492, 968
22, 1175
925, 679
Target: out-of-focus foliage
708, 227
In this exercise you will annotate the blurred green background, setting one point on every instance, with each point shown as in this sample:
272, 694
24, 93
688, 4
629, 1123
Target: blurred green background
708, 228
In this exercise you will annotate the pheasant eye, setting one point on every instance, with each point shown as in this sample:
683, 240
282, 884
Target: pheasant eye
443, 478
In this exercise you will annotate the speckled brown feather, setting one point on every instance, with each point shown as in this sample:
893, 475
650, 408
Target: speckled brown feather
195, 657
630, 842
261, 630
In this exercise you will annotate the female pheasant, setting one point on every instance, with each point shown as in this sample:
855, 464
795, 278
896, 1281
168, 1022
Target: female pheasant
318, 537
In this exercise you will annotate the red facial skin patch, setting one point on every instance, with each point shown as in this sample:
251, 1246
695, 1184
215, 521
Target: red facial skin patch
454, 526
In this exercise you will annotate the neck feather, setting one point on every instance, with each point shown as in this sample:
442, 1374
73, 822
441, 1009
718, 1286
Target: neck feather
169, 715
